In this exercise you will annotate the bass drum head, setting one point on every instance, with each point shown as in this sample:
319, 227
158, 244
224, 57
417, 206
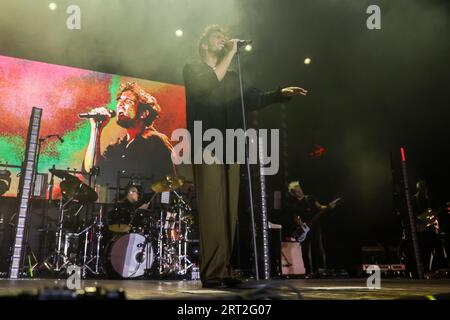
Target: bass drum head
129, 258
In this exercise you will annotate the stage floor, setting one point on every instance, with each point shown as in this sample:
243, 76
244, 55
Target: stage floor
308, 289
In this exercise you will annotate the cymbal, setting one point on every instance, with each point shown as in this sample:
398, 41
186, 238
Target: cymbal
168, 183
63, 174
188, 217
78, 190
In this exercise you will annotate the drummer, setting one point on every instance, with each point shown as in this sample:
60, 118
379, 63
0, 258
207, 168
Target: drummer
132, 198
120, 218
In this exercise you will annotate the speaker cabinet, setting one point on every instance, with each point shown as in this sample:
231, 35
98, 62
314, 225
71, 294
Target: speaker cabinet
291, 259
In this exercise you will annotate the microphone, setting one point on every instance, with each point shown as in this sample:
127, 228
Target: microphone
242, 43
97, 116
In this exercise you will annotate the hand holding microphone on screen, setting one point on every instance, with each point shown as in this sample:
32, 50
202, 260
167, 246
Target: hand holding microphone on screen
101, 114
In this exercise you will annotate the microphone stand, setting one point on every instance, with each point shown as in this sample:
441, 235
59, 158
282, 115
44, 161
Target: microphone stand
250, 188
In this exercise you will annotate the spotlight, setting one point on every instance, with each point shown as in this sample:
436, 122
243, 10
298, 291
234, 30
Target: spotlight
5, 181
179, 33
52, 6
307, 61
248, 48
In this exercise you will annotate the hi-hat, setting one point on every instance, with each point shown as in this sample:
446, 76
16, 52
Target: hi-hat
168, 183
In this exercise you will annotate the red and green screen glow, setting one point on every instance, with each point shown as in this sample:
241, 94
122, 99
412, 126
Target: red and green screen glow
63, 93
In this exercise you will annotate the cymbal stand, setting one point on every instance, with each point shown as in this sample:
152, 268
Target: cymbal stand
183, 261
167, 246
172, 252
59, 253
93, 174
86, 241
99, 239
180, 245
165, 250
160, 242
97, 228
188, 264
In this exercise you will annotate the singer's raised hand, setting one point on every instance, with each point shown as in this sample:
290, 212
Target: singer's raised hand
93, 149
232, 46
293, 91
101, 111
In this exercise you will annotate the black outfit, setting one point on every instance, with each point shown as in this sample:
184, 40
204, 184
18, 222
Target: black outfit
145, 158
312, 247
217, 105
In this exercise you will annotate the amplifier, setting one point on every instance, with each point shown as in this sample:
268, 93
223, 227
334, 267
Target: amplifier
275, 249
292, 259
398, 267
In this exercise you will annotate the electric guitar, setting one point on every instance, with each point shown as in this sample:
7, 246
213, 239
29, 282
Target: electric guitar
430, 218
304, 228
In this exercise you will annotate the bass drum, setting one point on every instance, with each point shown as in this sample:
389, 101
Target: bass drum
129, 256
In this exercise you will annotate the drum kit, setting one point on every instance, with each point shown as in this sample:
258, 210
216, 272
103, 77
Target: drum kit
151, 241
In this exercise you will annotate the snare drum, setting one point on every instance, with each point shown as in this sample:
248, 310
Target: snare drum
119, 220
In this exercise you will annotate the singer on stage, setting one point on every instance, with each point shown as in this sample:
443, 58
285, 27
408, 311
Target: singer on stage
213, 97
143, 152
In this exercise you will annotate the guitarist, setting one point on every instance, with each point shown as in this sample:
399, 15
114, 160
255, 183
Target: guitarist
428, 229
301, 209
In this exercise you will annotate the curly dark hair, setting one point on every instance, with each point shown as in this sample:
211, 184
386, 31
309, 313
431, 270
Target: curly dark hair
145, 101
207, 32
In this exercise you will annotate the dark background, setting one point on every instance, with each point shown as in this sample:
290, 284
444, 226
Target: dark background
370, 91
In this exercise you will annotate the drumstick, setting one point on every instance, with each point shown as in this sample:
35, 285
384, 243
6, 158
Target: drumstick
148, 203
